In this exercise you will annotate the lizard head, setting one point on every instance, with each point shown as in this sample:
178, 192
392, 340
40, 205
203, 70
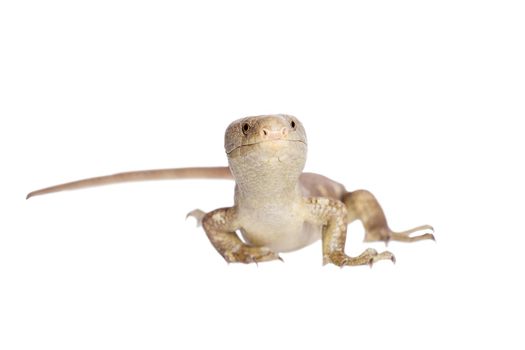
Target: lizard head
266, 142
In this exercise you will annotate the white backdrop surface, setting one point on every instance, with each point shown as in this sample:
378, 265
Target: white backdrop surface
421, 103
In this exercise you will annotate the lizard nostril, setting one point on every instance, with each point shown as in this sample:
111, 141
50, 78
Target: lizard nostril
269, 134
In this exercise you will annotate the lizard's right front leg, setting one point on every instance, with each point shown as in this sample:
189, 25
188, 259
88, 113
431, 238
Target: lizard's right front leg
220, 226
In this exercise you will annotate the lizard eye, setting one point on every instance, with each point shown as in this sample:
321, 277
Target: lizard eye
245, 128
292, 124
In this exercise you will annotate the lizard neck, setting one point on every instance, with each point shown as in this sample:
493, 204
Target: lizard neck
260, 188
267, 176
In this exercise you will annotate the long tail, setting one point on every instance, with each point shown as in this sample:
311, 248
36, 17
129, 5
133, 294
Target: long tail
142, 175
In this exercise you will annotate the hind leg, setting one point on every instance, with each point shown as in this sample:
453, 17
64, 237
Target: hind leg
362, 205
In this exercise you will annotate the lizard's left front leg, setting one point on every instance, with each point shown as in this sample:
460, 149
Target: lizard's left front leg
332, 215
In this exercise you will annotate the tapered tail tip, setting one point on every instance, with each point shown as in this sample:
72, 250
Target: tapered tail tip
33, 194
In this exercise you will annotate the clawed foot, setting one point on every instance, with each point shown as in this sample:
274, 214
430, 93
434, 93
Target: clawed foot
247, 254
368, 257
388, 235
405, 235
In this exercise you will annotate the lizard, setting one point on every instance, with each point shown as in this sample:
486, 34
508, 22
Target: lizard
277, 208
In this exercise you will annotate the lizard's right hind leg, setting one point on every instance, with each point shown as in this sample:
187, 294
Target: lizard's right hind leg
362, 205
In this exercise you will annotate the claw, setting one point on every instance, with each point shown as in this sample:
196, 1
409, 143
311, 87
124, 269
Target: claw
197, 214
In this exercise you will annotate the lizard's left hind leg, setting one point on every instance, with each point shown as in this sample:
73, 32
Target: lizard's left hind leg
362, 205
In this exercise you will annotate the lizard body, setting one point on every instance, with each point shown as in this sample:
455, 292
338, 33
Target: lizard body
277, 207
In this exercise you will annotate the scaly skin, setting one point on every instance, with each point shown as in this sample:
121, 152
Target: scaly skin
277, 207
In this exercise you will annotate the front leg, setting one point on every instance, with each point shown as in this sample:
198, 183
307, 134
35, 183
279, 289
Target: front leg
220, 226
332, 215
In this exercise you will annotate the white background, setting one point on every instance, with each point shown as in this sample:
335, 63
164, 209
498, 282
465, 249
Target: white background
418, 102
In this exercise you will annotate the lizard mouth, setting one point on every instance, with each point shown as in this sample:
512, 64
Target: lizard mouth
266, 141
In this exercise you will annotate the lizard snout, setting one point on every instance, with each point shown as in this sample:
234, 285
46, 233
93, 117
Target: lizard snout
271, 134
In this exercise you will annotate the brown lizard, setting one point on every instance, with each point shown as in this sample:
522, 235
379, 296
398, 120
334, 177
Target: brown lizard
277, 208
